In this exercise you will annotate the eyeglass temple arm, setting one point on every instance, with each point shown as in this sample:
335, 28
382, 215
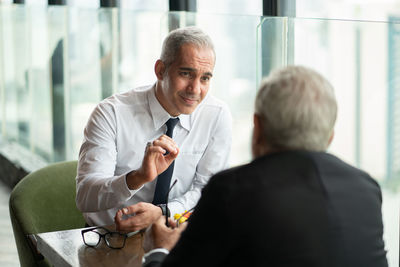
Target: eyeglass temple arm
166, 204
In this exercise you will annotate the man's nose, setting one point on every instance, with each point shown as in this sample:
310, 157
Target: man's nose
195, 86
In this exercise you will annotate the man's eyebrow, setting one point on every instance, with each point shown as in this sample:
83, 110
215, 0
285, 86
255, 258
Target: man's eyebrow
187, 69
195, 70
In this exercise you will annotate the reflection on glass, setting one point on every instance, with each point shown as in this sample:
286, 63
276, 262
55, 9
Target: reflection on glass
39, 73
56, 71
9, 93
58, 63
352, 56
235, 79
88, 55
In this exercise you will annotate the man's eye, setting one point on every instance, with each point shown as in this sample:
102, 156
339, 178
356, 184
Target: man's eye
205, 78
185, 74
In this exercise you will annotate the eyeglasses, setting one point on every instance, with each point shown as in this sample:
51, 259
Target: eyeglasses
166, 204
91, 237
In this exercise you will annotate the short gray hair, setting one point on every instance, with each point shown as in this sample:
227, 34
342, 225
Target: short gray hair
179, 37
298, 109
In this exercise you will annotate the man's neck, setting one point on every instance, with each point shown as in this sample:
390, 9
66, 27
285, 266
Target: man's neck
263, 150
160, 97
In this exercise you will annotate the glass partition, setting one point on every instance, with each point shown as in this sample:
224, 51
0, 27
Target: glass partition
235, 79
358, 59
14, 87
57, 63
42, 113
361, 61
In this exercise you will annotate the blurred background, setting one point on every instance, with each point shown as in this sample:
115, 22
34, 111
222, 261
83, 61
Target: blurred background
59, 58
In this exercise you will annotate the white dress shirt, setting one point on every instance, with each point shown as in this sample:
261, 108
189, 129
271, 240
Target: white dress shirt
114, 142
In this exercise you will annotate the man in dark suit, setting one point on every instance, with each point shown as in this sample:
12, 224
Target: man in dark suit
293, 205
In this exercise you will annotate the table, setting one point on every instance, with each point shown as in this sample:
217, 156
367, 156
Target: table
66, 248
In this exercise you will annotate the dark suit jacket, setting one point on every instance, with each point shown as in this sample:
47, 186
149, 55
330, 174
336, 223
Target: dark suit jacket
292, 208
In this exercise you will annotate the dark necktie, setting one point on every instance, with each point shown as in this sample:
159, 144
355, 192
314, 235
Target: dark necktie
164, 179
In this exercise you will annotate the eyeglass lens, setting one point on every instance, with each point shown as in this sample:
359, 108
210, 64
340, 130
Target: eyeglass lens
91, 238
113, 240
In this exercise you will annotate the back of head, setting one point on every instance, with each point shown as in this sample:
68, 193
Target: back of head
177, 38
297, 108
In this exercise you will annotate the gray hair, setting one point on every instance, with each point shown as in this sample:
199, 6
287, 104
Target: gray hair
298, 109
179, 37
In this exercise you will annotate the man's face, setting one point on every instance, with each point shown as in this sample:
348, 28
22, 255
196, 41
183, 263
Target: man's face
186, 83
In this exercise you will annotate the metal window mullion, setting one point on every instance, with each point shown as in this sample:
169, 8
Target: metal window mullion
183, 5
275, 8
56, 2
182, 19
270, 8
109, 3
279, 8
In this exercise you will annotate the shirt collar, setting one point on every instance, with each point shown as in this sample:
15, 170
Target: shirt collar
185, 121
160, 115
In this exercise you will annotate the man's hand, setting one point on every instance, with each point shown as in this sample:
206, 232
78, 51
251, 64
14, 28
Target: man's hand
154, 162
144, 214
161, 236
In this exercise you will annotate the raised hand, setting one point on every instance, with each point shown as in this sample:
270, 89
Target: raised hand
155, 161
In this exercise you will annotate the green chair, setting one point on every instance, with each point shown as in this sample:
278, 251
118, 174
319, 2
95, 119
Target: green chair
43, 201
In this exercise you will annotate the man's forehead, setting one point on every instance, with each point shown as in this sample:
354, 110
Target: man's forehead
193, 58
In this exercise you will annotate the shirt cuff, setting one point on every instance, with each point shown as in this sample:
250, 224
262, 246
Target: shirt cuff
120, 185
175, 207
156, 254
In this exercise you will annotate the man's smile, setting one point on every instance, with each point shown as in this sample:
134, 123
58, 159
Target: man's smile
189, 100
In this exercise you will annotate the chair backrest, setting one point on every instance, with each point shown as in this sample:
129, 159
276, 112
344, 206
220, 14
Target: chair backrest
44, 201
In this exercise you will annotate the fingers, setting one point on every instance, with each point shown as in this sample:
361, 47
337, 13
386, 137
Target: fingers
182, 227
163, 236
166, 143
171, 223
156, 160
144, 215
160, 221
155, 149
136, 208
172, 154
118, 217
129, 225
120, 223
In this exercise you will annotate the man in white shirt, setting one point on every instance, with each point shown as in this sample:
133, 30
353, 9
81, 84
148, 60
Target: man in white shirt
125, 147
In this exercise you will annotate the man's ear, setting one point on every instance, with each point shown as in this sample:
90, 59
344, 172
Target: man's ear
257, 142
331, 138
159, 69
258, 132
